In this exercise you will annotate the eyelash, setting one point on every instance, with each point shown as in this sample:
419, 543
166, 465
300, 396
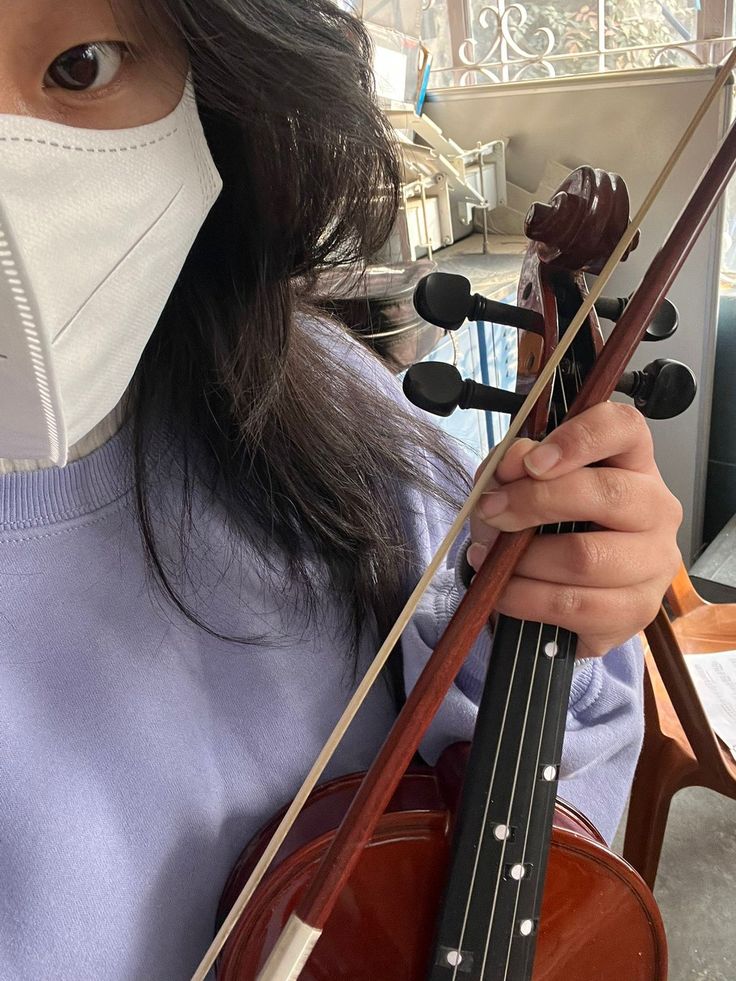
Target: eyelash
127, 55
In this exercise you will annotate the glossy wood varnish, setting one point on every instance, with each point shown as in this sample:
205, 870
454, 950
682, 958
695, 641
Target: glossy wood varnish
382, 926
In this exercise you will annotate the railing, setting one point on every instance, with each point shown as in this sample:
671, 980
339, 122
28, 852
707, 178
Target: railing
500, 41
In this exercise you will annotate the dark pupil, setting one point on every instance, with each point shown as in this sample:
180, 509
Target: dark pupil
77, 69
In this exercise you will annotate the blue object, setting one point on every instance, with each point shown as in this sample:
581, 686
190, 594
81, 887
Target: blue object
424, 85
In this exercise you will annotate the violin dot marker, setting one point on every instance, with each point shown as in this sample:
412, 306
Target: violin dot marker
551, 650
454, 958
549, 773
502, 832
526, 928
517, 872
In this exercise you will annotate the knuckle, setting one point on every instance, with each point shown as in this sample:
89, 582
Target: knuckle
628, 417
674, 563
646, 605
541, 498
566, 601
676, 510
631, 425
665, 510
581, 436
613, 488
587, 556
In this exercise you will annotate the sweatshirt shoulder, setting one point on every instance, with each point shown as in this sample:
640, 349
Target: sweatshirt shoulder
343, 348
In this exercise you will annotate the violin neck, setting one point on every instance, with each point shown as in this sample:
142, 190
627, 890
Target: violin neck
490, 915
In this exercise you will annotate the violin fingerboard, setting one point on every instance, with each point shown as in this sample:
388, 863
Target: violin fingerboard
490, 916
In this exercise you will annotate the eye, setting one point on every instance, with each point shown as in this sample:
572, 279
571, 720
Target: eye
86, 67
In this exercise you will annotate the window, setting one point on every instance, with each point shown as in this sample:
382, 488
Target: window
499, 40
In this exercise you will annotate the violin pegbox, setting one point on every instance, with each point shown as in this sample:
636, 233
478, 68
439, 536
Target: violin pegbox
572, 234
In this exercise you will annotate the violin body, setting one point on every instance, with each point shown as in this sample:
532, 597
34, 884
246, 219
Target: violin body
599, 921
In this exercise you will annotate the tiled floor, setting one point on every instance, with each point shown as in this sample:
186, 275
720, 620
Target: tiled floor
696, 887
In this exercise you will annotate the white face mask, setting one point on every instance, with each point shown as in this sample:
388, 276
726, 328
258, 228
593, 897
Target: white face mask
95, 226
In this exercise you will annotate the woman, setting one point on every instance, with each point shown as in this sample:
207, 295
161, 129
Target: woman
212, 504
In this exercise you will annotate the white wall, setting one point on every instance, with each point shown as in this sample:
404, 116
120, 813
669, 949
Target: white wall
628, 123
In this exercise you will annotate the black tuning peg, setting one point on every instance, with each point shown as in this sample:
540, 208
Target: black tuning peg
664, 324
439, 388
445, 299
663, 390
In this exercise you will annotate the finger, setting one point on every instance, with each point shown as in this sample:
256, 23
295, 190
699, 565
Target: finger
479, 549
608, 433
602, 559
612, 613
617, 500
481, 533
511, 466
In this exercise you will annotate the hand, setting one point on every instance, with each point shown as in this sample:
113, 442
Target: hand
604, 584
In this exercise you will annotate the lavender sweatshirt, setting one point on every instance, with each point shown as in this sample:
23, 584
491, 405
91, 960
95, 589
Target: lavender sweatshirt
139, 755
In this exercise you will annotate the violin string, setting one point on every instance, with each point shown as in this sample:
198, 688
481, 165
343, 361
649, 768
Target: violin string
514, 784
496, 377
496, 369
546, 705
485, 812
537, 659
531, 807
485, 820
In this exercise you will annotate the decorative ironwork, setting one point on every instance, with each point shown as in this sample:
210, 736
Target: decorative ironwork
501, 41
506, 23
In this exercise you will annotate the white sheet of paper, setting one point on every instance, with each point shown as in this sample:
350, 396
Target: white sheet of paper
714, 676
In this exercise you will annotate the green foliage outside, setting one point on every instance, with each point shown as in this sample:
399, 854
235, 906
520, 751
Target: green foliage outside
629, 23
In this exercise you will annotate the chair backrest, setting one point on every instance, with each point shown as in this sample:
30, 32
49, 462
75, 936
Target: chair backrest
680, 687
681, 595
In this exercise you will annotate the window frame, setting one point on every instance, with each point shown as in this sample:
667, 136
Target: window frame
715, 37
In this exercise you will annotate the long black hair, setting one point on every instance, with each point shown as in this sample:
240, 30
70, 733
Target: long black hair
303, 455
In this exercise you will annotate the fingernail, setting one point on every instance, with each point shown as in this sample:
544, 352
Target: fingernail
494, 503
476, 556
541, 460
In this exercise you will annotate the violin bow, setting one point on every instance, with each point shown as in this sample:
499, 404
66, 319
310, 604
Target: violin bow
305, 925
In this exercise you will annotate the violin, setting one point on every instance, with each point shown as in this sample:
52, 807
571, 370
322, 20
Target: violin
472, 837
471, 870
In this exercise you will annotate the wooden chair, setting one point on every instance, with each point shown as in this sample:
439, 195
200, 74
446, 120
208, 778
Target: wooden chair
680, 747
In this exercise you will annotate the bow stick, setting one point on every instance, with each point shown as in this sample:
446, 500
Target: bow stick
302, 931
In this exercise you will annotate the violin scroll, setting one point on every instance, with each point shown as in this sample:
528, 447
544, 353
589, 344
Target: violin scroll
582, 224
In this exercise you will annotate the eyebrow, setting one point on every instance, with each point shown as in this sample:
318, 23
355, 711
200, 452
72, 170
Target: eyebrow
47, 16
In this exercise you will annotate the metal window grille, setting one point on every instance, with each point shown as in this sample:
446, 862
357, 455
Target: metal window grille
476, 41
